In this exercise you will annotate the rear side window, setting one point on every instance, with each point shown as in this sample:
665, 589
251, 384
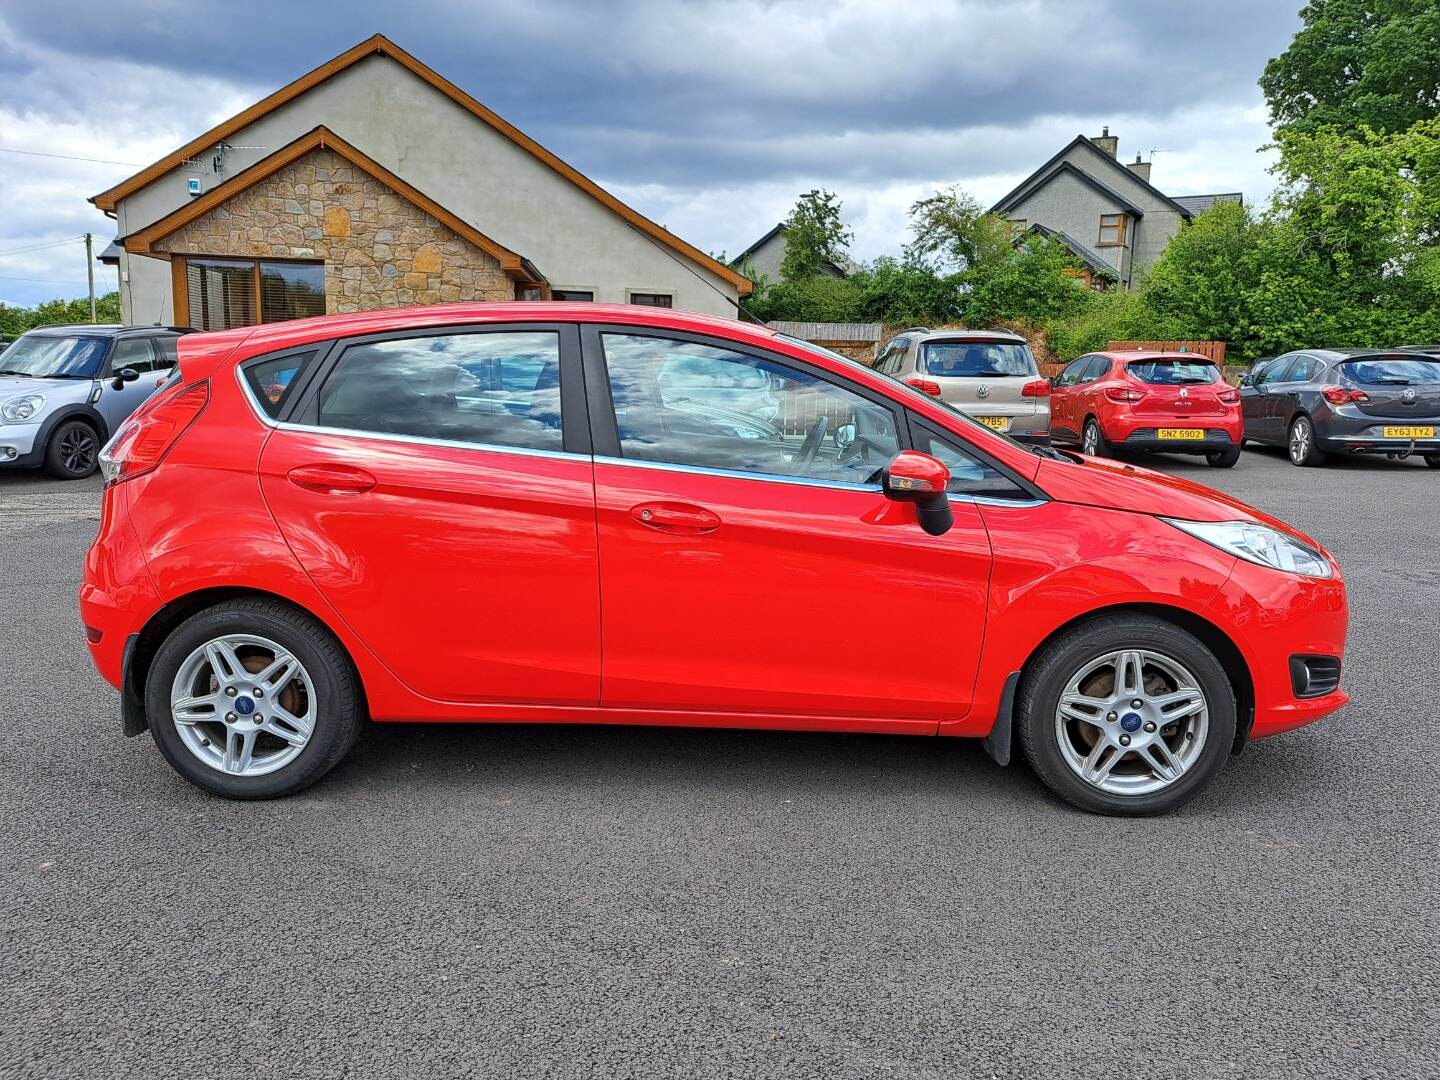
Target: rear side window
497, 389
1173, 372
1378, 371
166, 352
273, 381
979, 359
1096, 369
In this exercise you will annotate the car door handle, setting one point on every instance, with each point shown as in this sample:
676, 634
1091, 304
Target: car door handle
674, 517
331, 479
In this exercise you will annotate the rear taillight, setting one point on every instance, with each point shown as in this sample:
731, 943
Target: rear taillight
1036, 388
1123, 394
925, 386
143, 441
1229, 396
1343, 395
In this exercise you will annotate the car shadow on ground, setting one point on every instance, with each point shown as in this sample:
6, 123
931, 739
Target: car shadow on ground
1194, 463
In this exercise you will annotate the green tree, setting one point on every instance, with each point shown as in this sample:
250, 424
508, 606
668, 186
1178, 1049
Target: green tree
952, 230
1371, 63
14, 321
815, 237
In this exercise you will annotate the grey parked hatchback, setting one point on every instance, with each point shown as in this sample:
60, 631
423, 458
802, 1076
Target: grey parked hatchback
989, 374
1346, 401
65, 389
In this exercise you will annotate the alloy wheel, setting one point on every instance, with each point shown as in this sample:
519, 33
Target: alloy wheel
1132, 722
243, 705
1300, 436
1091, 439
77, 449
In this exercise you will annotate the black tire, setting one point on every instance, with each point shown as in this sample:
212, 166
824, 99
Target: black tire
1224, 459
1311, 456
1045, 679
1433, 462
1092, 435
73, 451
340, 712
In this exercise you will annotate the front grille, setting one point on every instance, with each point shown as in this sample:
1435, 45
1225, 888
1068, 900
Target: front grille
1216, 436
1314, 676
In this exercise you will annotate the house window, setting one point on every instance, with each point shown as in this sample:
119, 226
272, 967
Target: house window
1112, 230
585, 295
528, 292
223, 293
1018, 226
651, 299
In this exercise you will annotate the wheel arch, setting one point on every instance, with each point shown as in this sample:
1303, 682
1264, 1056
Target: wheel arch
141, 654
1210, 635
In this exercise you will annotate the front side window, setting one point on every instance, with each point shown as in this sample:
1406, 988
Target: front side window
968, 474
498, 389
1173, 372
133, 353
1272, 371
1073, 372
981, 359
51, 356
685, 403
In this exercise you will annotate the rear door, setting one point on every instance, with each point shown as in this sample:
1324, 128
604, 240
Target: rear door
746, 567
438, 488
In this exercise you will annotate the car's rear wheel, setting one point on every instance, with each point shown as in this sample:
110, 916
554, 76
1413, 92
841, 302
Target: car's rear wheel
1126, 714
251, 699
1433, 462
1303, 450
1092, 439
1223, 459
73, 451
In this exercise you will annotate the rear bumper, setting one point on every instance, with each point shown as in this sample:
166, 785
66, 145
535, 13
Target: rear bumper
117, 594
1148, 438
1272, 616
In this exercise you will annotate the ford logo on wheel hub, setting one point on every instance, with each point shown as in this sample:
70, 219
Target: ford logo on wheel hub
245, 706
1131, 721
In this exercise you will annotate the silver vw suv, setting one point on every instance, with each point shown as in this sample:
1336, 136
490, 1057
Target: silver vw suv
989, 374
65, 389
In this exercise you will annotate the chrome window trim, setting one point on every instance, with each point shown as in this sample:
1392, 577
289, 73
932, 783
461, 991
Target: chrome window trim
703, 470
423, 440
990, 500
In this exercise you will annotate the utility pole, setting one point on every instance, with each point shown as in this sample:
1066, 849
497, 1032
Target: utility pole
90, 272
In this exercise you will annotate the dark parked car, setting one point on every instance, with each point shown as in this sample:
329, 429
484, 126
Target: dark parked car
1346, 401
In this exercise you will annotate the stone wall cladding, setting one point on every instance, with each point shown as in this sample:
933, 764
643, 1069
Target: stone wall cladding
380, 249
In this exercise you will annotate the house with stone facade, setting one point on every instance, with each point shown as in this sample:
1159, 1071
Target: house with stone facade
373, 182
1110, 216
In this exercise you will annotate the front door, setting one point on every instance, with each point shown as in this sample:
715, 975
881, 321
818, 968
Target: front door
129, 352
432, 486
750, 564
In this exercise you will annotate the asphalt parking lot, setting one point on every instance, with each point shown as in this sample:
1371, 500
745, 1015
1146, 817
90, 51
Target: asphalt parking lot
522, 901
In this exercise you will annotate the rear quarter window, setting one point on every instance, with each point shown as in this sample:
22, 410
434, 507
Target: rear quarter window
272, 382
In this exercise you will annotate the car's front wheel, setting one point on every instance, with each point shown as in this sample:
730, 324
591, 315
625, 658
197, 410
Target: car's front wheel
73, 451
1126, 714
1303, 450
252, 699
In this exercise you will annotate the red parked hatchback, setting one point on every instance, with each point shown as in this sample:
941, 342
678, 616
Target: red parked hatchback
590, 514
1174, 402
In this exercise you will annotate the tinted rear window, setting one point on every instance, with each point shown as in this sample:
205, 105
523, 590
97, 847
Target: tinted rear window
1380, 372
273, 380
1173, 372
988, 359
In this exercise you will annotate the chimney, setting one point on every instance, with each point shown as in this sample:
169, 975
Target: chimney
1140, 168
1107, 142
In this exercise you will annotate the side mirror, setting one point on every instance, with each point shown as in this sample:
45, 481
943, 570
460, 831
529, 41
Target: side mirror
1247, 379
918, 478
123, 376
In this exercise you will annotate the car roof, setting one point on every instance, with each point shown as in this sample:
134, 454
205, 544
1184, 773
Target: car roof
1341, 354
102, 329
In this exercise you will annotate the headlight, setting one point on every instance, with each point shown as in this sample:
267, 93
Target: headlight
19, 410
1259, 544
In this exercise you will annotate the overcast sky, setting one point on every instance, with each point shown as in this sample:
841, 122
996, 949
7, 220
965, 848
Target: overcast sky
709, 117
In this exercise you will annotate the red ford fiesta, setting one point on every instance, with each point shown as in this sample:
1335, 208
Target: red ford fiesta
586, 514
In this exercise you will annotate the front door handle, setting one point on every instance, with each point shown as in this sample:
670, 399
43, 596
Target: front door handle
331, 479
676, 517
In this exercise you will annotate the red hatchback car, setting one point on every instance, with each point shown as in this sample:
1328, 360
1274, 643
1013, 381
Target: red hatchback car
575, 513
1175, 402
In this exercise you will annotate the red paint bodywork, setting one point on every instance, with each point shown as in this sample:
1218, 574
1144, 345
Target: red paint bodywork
476, 584
1212, 407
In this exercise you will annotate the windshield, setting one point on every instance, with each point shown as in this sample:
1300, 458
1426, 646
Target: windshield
1173, 372
53, 356
1377, 372
988, 359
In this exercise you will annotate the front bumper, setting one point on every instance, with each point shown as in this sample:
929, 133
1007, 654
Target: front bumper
1271, 617
19, 445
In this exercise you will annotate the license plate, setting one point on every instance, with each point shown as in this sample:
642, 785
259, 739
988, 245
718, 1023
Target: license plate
1409, 432
1181, 433
995, 423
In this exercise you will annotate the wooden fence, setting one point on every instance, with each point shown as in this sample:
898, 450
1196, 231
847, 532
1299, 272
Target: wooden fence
1214, 350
